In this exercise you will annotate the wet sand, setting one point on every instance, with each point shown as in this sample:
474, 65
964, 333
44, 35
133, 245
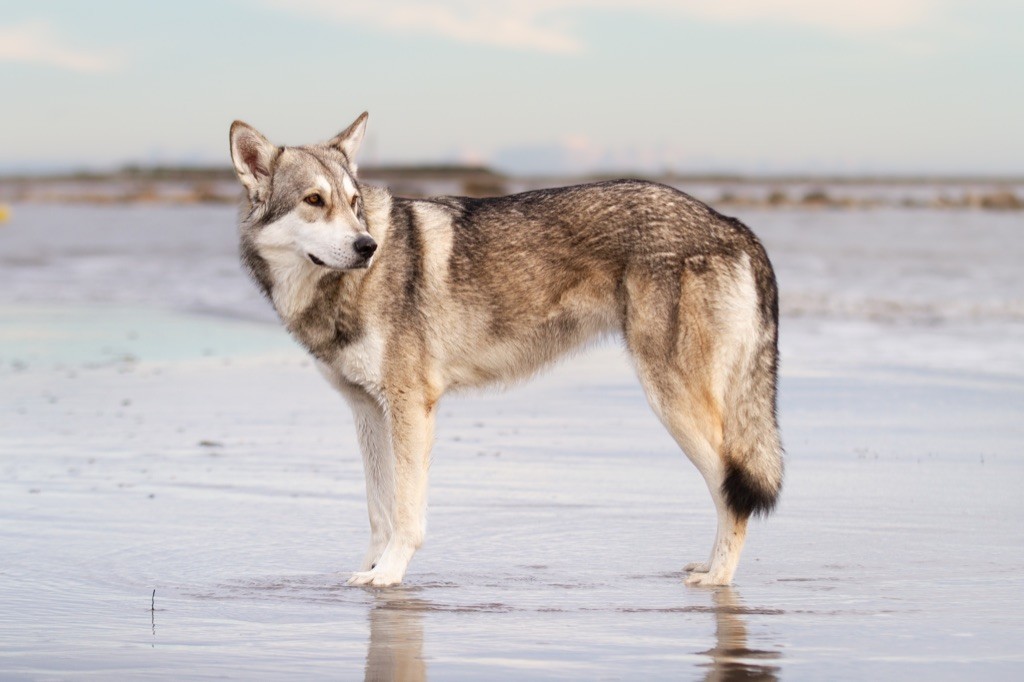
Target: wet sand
158, 431
206, 460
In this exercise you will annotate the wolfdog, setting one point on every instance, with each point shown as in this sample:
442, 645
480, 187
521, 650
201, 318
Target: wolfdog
400, 300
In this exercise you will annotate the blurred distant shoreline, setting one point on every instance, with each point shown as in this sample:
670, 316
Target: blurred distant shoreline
218, 185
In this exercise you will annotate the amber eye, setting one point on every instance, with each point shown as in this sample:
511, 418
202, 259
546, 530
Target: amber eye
355, 198
314, 200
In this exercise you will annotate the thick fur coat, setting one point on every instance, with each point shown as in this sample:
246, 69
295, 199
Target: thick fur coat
401, 300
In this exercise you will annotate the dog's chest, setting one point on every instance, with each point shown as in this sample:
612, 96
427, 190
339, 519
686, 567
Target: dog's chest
360, 362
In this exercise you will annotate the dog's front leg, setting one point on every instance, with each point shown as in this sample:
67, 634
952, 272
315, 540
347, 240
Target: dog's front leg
375, 443
411, 419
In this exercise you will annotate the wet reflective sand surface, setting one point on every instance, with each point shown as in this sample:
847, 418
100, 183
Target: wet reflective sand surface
560, 517
200, 456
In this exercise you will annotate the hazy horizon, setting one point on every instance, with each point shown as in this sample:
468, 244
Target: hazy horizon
904, 87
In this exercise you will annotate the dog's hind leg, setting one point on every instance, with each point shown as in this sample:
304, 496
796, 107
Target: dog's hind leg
696, 428
411, 420
378, 468
696, 345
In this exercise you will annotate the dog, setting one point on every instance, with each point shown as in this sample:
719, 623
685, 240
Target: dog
402, 300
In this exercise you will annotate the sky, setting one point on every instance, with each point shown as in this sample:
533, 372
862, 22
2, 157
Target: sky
530, 86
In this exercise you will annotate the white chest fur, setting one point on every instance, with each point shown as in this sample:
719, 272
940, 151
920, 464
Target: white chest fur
360, 363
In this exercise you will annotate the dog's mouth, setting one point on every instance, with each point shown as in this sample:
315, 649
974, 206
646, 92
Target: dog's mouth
362, 264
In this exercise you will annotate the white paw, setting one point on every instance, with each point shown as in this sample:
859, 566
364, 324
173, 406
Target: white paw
375, 578
706, 580
388, 569
696, 567
372, 557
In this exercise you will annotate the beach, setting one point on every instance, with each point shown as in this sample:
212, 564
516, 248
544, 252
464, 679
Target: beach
182, 495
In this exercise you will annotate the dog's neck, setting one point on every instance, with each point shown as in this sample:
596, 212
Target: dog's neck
296, 283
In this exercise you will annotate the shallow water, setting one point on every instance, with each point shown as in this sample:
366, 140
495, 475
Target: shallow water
160, 447
230, 484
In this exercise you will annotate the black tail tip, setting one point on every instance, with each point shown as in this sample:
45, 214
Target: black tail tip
748, 495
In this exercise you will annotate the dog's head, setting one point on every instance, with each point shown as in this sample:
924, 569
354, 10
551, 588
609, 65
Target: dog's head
304, 202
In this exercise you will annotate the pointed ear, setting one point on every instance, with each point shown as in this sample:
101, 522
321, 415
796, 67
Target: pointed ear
348, 140
253, 156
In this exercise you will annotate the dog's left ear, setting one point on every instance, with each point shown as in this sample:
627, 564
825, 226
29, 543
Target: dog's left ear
348, 140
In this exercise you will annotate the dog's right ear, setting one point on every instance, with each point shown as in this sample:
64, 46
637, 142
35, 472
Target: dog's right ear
253, 156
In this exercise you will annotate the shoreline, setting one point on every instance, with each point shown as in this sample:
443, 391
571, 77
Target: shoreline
812, 193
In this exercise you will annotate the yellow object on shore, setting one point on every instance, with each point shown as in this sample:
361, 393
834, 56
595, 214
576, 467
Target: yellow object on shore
5, 213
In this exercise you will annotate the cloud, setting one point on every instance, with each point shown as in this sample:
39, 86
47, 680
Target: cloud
38, 43
523, 26
847, 17
547, 25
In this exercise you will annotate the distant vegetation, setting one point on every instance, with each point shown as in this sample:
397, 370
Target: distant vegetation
202, 184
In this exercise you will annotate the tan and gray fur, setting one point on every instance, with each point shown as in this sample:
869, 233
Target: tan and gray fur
402, 300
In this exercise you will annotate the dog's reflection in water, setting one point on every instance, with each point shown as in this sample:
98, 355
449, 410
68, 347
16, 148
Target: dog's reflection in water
396, 638
732, 659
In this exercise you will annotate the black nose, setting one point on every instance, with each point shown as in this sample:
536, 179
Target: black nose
364, 245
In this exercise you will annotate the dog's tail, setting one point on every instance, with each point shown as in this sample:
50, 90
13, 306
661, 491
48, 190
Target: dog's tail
751, 448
